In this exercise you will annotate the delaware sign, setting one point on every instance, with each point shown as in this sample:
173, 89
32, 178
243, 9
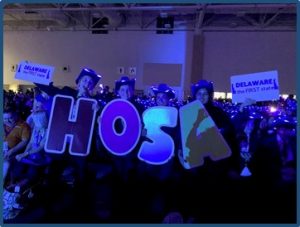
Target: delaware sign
41, 74
263, 86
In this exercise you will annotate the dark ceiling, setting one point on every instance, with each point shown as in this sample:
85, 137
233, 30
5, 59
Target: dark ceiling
144, 17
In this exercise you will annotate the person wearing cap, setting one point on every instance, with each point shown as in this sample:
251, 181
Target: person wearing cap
125, 167
85, 83
124, 89
203, 91
160, 181
163, 94
213, 175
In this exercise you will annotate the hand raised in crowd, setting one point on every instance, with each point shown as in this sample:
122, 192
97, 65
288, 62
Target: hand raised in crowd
45, 95
247, 102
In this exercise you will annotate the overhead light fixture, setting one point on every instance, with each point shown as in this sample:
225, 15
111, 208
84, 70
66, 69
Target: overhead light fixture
240, 13
100, 25
96, 14
163, 15
31, 12
168, 25
164, 25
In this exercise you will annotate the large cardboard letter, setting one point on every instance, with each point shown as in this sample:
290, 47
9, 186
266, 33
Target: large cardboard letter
122, 112
76, 129
161, 149
200, 136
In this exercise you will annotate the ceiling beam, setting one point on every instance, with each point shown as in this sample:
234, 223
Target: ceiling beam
262, 19
209, 20
97, 21
268, 22
145, 26
250, 20
141, 20
22, 21
172, 7
204, 29
144, 15
75, 19
218, 9
110, 8
56, 6
201, 15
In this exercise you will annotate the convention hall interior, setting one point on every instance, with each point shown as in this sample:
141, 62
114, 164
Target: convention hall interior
213, 124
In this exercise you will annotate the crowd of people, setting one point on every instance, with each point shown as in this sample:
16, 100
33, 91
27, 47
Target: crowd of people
257, 183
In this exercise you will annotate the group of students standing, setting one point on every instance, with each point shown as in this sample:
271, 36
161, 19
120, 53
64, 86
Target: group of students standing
124, 189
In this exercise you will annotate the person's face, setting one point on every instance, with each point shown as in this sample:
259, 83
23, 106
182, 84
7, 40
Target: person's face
9, 119
125, 92
162, 99
202, 95
85, 84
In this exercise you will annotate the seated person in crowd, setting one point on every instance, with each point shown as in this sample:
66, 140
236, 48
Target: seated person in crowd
38, 120
16, 134
29, 164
